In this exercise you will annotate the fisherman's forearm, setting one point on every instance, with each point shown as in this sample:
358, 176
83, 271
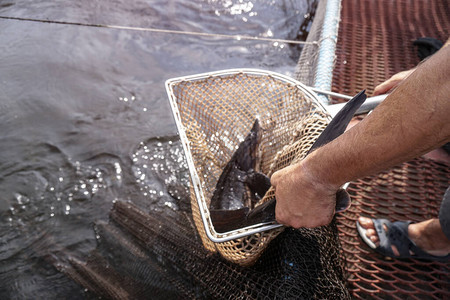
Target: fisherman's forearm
410, 122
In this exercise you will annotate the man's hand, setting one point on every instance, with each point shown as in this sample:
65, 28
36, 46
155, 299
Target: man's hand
302, 200
392, 82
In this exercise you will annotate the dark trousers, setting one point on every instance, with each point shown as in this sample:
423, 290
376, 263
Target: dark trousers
444, 214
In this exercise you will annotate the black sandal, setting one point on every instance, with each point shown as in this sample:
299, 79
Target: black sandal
397, 235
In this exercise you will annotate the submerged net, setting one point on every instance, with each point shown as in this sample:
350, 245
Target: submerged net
145, 255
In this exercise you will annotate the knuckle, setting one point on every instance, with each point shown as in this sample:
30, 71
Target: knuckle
324, 220
289, 221
281, 218
285, 220
274, 179
296, 224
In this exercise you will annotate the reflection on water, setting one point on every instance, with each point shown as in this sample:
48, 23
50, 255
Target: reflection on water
161, 173
85, 119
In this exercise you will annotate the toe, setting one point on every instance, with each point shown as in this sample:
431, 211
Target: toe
372, 235
374, 239
366, 223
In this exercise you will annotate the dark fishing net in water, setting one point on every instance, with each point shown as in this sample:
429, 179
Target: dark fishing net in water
154, 251
143, 255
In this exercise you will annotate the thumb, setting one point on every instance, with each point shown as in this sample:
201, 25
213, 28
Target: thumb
275, 178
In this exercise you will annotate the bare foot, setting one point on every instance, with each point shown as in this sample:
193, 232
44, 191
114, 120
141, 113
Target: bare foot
427, 235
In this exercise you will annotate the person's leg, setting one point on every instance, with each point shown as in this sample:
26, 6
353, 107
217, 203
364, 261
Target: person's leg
432, 236
444, 214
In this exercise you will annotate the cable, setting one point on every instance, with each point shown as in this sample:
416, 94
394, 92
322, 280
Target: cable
158, 30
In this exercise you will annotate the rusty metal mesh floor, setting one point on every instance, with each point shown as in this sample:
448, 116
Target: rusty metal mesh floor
411, 191
375, 39
375, 42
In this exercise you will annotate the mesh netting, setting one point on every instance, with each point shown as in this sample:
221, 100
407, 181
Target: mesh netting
307, 63
144, 255
217, 112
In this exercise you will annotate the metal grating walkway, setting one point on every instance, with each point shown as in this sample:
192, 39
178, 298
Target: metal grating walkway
375, 42
375, 39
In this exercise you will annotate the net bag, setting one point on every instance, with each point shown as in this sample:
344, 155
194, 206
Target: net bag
214, 112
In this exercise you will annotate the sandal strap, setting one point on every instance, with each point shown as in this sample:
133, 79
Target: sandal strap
397, 235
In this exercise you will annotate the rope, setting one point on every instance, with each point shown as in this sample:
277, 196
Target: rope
158, 30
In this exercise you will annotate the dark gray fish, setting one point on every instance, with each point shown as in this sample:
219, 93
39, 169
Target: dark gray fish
239, 186
227, 220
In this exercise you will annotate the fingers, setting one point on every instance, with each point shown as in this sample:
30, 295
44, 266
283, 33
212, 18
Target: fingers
385, 87
274, 178
389, 84
301, 202
392, 82
278, 175
304, 222
286, 220
306, 215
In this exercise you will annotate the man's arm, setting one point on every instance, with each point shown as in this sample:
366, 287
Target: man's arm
413, 120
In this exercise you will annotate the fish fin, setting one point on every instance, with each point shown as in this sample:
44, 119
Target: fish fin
339, 123
258, 183
245, 155
227, 220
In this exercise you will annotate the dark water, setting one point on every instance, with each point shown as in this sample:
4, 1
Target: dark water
85, 120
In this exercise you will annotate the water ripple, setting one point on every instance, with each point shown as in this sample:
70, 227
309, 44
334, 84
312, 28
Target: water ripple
161, 171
